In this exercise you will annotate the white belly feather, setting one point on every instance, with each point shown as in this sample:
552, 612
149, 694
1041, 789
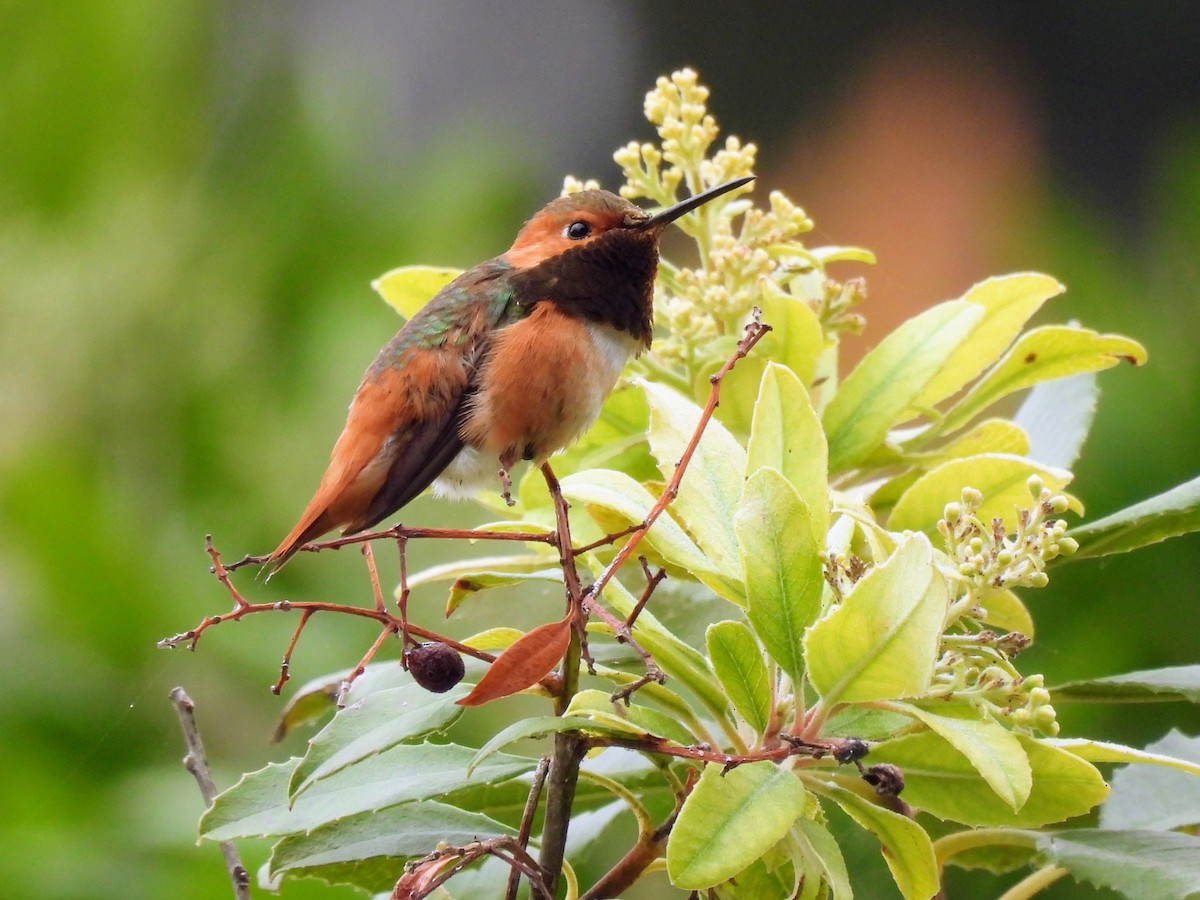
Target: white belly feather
473, 469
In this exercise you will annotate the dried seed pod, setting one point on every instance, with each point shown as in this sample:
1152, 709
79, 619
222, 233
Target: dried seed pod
435, 666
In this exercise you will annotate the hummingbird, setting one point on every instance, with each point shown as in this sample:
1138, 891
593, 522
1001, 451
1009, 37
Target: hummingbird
511, 360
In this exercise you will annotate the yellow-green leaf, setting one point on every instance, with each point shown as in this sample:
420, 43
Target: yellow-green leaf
1053, 351
941, 781
795, 339
729, 820
711, 487
1009, 301
783, 566
1001, 479
989, 436
738, 662
408, 288
617, 493
875, 396
739, 387
471, 583
786, 434
494, 638
991, 748
907, 849
1106, 752
880, 643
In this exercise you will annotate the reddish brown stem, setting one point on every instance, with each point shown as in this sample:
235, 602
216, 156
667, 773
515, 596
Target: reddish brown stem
405, 639
652, 581
401, 531
286, 666
608, 539
373, 573
704, 753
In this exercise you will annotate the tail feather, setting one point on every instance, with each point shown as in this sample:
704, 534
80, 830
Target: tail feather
304, 532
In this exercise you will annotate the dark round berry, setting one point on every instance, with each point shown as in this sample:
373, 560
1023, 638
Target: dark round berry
435, 666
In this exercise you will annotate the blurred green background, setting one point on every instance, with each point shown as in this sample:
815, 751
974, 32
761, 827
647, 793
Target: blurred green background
194, 198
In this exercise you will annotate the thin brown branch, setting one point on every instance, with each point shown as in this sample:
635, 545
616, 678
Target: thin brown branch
424, 876
552, 683
652, 581
344, 687
197, 763
285, 668
373, 573
843, 750
401, 531
611, 538
531, 804
402, 603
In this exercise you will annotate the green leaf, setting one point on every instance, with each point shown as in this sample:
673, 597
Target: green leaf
633, 719
408, 288
493, 639
989, 436
258, 805
738, 663
730, 820
795, 339
469, 584
999, 477
880, 643
1140, 865
711, 487
399, 832
319, 696
941, 781
991, 748
786, 434
1166, 515
373, 725
782, 564
1148, 686
1184, 759
519, 564
1008, 301
542, 726
618, 494
739, 387
876, 395
1160, 797
820, 847
907, 849
832, 253
1052, 351
1058, 415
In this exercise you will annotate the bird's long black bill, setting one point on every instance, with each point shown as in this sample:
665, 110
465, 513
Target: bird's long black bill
671, 213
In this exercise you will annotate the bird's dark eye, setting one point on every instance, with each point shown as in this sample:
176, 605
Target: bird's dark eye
578, 230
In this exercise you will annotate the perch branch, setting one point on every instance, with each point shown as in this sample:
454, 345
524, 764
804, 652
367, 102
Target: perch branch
197, 763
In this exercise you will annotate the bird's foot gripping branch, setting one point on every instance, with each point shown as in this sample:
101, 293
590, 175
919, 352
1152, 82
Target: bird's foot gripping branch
789, 590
